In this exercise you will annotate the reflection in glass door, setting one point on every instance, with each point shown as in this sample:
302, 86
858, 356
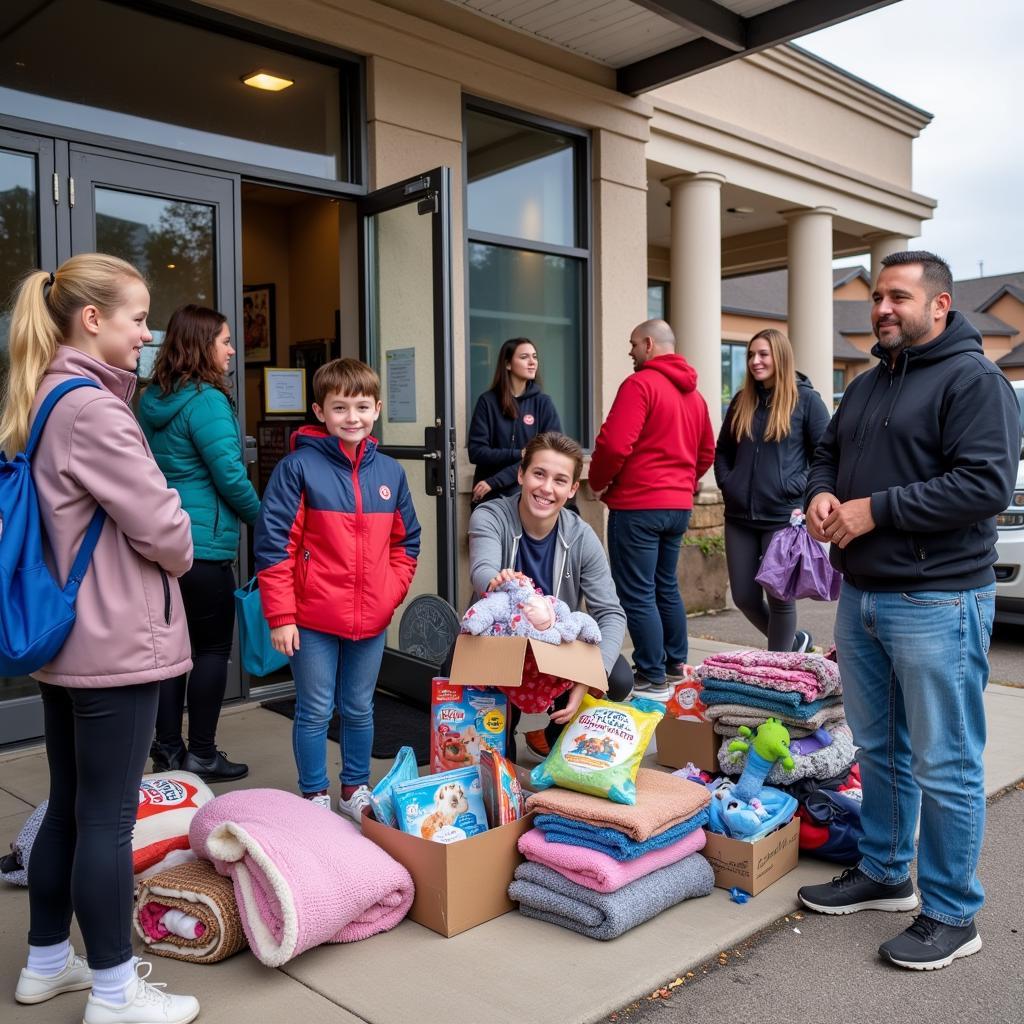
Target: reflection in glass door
408, 337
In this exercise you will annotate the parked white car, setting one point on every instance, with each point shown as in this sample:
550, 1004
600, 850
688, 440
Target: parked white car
1010, 545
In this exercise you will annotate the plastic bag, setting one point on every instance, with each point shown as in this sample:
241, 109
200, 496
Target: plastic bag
796, 566
403, 770
600, 750
443, 808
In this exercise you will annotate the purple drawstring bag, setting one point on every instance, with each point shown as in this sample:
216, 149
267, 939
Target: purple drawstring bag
796, 565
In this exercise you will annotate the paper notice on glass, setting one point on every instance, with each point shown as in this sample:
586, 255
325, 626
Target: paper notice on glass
401, 371
284, 391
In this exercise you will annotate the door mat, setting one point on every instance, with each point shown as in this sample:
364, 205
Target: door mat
395, 724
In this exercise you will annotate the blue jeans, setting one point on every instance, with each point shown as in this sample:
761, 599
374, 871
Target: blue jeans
643, 551
915, 666
332, 672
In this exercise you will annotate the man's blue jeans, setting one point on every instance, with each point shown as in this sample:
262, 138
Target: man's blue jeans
643, 552
330, 672
914, 667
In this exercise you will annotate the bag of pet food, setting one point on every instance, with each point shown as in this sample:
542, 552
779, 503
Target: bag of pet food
503, 796
167, 803
403, 770
600, 750
463, 721
443, 808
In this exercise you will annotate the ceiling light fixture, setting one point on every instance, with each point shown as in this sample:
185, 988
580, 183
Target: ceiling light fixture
267, 80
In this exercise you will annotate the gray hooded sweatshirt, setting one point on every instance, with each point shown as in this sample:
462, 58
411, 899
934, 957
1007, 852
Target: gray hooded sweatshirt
581, 570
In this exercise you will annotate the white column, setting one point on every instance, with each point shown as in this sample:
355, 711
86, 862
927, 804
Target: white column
695, 297
883, 245
809, 244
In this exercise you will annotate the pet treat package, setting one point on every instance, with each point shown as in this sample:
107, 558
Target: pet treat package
503, 796
403, 770
600, 750
167, 803
443, 808
463, 721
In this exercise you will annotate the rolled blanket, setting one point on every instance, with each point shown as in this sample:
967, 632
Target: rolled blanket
544, 894
742, 714
825, 763
302, 875
14, 867
662, 800
611, 841
198, 891
811, 675
719, 691
598, 871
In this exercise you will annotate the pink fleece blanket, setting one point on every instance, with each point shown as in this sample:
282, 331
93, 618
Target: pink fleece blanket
302, 875
811, 675
598, 871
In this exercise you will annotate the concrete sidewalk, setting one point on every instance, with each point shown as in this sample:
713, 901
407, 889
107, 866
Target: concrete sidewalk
509, 970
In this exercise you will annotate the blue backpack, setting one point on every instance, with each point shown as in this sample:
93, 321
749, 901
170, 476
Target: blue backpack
36, 613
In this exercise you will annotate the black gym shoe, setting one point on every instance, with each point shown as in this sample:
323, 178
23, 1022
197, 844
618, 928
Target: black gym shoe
215, 769
928, 945
853, 890
167, 757
803, 641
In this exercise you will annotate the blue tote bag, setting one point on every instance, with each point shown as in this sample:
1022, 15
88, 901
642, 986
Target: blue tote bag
258, 657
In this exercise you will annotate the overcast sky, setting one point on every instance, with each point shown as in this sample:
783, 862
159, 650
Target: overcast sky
962, 63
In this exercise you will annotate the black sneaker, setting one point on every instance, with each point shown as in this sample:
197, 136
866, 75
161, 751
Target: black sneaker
928, 945
166, 757
660, 691
214, 769
803, 641
853, 890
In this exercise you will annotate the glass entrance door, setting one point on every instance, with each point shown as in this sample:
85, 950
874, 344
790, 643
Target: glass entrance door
407, 331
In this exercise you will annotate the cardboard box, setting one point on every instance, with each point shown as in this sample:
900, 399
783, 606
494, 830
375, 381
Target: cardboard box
752, 867
458, 885
679, 741
499, 661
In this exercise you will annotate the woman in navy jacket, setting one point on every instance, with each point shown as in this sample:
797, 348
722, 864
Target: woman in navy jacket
761, 462
508, 415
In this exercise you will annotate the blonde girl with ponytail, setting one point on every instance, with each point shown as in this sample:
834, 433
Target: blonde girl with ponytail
764, 450
99, 694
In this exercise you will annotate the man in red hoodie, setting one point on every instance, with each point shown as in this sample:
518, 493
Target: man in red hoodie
653, 448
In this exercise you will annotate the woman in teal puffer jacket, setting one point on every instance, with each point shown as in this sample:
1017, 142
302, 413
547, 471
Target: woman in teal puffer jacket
190, 423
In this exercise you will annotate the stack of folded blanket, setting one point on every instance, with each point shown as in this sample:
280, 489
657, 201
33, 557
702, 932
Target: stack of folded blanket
601, 868
802, 690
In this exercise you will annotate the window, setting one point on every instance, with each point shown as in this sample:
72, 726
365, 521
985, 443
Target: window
528, 252
734, 366
838, 386
657, 300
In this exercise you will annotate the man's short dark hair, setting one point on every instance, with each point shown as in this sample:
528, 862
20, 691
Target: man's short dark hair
935, 273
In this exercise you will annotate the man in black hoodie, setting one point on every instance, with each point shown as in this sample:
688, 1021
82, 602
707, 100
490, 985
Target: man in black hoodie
905, 484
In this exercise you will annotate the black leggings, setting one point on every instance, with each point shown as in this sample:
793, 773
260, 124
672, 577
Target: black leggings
620, 683
744, 548
97, 741
208, 590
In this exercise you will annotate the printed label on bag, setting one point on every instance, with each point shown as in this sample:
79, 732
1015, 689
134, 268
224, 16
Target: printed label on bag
599, 739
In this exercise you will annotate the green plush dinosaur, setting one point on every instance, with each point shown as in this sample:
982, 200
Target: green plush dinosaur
770, 742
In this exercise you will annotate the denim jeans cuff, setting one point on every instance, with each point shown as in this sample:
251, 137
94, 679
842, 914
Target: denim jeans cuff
950, 919
882, 879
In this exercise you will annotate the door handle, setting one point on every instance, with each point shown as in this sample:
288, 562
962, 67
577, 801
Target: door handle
433, 456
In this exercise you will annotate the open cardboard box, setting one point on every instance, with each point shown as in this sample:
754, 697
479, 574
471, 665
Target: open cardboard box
458, 885
752, 867
679, 741
499, 661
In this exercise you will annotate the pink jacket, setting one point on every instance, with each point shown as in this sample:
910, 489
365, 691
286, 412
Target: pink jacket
130, 625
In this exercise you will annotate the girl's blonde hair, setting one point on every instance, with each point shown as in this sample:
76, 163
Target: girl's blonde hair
784, 396
44, 308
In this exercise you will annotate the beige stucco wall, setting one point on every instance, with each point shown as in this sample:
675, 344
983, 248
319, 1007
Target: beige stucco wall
1010, 311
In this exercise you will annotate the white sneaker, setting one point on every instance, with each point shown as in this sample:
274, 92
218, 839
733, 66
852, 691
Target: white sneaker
320, 800
146, 1004
37, 988
354, 806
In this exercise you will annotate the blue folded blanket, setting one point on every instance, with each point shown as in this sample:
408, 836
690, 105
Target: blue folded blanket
544, 894
611, 841
718, 691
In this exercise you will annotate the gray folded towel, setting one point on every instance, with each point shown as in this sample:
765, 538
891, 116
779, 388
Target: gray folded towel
546, 895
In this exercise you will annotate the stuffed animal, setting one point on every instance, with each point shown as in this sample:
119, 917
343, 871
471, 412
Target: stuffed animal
516, 608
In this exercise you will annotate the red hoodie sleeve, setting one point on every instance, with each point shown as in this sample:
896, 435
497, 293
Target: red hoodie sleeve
619, 432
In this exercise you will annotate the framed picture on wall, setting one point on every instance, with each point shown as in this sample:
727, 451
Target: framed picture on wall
309, 356
258, 324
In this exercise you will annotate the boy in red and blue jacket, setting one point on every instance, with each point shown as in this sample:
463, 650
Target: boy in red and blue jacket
336, 544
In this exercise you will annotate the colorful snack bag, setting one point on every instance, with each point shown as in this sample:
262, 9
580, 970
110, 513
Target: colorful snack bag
443, 808
503, 796
403, 770
600, 750
464, 721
